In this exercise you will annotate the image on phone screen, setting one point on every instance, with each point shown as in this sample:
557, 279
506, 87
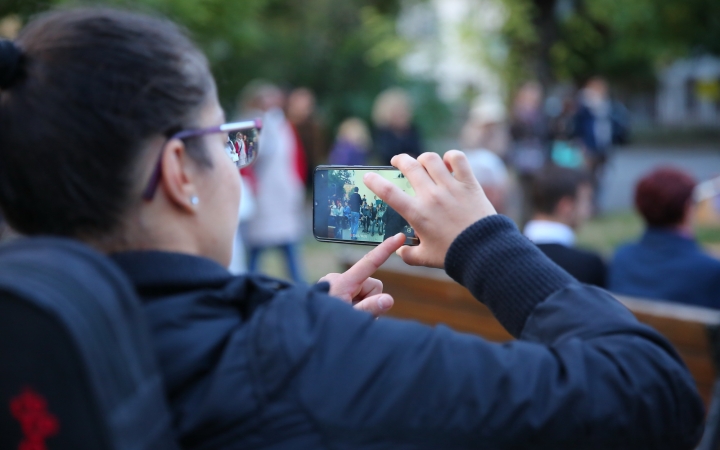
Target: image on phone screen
345, 210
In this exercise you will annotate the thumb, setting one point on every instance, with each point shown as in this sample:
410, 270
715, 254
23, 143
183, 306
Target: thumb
376, 304
412, 255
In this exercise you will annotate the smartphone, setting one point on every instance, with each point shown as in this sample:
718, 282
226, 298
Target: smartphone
347, 211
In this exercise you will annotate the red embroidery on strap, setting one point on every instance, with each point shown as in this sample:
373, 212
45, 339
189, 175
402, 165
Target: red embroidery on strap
37, 424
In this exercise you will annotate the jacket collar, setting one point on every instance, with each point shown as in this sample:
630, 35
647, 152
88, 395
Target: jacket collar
665, 236
151, 270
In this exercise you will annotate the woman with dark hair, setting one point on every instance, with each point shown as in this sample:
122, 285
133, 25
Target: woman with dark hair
253, 362
666, 263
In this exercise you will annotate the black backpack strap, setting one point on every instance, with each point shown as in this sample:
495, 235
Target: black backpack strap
43, 381
95, 305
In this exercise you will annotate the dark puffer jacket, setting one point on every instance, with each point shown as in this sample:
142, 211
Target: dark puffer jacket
250, 362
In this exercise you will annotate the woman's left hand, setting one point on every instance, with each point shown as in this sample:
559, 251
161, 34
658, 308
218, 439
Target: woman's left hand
355, 285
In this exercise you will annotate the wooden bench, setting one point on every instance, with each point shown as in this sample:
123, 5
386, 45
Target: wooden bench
431, 297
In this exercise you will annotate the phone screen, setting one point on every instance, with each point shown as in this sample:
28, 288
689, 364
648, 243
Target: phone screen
347, 211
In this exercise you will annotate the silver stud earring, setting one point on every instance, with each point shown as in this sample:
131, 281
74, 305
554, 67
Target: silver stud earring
194, 200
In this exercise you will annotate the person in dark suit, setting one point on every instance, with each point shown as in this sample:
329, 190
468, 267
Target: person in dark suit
355, 202
562, 202
666, 263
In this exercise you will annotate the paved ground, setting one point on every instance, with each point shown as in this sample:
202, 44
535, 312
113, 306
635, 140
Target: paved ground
628, 165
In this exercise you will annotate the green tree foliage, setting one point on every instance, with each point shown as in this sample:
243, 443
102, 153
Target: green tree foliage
344, 50
339, 179
623, 40
522, 39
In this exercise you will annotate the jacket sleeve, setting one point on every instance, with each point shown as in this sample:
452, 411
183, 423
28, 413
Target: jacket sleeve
583, 374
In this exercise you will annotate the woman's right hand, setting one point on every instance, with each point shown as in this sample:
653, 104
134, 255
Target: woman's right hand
448, 199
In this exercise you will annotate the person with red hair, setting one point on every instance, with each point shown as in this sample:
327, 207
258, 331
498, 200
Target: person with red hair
667, 263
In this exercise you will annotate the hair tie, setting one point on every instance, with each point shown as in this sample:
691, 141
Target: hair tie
10, 56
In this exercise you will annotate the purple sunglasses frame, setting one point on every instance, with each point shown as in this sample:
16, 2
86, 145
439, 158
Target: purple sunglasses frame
154, 181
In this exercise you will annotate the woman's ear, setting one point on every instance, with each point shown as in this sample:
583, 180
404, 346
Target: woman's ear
178, 176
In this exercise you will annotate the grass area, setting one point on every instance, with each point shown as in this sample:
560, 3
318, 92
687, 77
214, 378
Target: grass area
602, 234
709, 235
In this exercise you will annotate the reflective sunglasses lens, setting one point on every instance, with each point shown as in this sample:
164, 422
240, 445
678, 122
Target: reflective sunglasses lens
242, 146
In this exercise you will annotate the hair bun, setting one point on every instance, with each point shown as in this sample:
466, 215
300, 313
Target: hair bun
10, 56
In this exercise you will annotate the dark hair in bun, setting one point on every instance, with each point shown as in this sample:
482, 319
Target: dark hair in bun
97, 85
10, 57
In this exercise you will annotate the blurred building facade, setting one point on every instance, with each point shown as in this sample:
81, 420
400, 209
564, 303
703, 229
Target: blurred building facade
455, 43
689, 92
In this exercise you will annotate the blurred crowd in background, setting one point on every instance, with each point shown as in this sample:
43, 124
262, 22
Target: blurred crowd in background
541, 161
569, 110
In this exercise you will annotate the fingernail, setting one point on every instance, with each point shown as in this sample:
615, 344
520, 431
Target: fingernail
384, 302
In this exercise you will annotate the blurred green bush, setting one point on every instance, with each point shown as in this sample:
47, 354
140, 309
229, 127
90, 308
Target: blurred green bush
346, 51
